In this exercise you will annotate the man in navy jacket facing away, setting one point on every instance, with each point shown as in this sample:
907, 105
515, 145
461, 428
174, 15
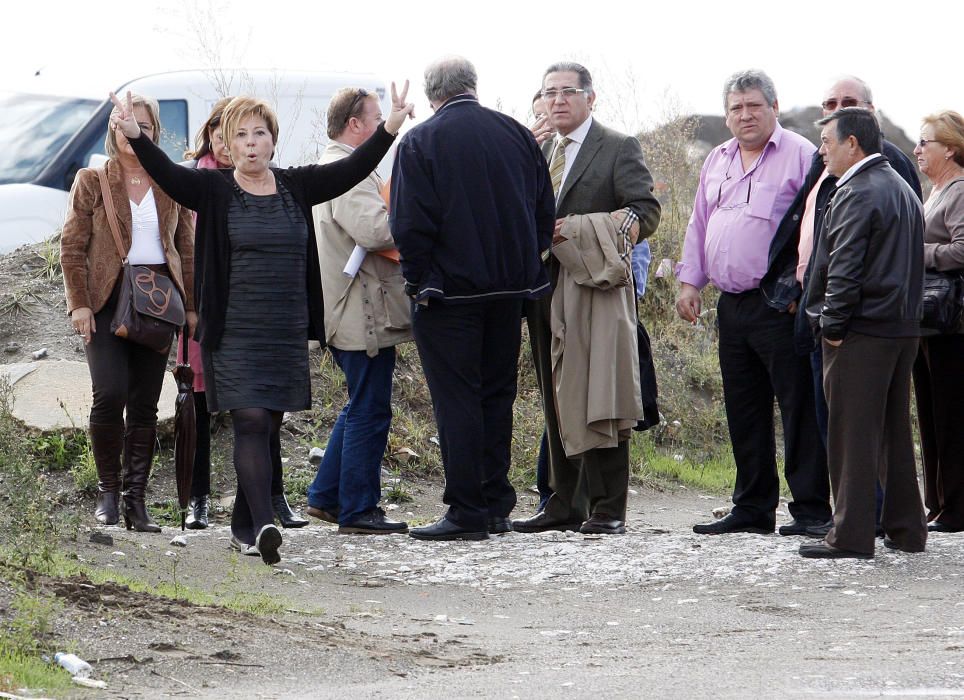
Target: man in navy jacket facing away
471, 212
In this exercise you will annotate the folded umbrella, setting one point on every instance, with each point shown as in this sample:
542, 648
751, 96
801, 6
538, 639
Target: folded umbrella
185, 427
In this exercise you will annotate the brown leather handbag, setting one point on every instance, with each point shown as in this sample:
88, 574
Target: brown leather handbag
149, 306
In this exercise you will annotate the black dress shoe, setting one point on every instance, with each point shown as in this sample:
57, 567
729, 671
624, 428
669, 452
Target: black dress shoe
540, 522
819, 531
798, 526
730, 524
286, 516
445, 529
822, 550
197, 513
602, 524
499, 526
373, 522
329, 516
890, 544
938, 526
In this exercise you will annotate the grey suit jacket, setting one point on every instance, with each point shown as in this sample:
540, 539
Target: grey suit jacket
609, 173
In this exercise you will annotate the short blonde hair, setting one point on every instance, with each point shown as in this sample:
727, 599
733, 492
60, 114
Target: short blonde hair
949, 130
153, 113
242, 107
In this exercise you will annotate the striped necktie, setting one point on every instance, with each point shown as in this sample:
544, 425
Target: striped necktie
558, 164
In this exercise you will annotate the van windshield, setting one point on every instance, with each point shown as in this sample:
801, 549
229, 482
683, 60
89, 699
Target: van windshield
34, 128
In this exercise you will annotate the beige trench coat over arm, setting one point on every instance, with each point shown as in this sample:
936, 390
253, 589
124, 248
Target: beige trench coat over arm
595, 366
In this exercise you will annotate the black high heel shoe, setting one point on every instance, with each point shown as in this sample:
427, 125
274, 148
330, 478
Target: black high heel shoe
286, 516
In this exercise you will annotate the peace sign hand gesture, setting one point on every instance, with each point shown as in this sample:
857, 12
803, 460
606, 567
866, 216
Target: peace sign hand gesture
122, 117
400, 110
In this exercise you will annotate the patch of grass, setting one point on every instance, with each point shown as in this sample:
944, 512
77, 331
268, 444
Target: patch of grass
25, 635
49, 255
20, 671
20, 303
84, 472
238, 600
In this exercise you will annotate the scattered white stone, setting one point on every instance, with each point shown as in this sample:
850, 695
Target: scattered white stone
39, 354
118, 554
315, 455
179, 541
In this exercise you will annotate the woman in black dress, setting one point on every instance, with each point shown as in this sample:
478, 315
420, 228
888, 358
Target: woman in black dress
258, 289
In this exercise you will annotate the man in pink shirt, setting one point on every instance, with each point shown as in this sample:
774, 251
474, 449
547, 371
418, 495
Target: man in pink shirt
746, 186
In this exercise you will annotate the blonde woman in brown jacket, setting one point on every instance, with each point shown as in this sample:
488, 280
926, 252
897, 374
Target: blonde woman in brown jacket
126, 377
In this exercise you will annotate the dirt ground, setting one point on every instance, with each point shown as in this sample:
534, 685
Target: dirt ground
657, 612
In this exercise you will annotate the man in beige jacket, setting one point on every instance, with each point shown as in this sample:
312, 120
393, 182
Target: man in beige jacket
366, 315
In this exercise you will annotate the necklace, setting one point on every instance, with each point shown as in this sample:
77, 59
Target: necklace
135, 180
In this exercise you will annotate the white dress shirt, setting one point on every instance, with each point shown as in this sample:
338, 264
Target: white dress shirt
576, 137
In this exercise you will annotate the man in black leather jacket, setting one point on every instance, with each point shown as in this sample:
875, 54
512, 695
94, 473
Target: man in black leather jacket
864, 300
785, 282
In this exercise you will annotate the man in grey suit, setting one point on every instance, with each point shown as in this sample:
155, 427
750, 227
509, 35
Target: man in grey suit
594, 169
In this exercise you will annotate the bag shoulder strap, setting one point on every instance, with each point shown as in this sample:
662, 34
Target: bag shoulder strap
111, 212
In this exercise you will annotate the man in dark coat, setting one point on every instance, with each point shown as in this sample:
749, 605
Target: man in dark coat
864, 299
791, 251
471, 213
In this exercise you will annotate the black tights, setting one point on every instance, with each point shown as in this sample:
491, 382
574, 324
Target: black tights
256, 435
201, 482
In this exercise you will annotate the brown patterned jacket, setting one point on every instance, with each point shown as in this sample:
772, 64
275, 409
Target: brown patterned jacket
88, 254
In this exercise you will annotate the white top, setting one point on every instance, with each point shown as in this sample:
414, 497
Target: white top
146, 248
576, 137
852, 170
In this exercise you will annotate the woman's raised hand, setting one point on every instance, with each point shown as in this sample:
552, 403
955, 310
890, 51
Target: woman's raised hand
400, 110
122, 116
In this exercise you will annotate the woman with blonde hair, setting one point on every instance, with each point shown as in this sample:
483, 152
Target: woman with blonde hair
210, 151
939, 369
260, 295
126, 377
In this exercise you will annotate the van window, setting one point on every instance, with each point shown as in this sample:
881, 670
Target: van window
34, 128
174, 136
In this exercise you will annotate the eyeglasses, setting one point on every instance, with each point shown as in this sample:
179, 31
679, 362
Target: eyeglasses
831, 104
362, 94
565, 93
737, 205
924, 142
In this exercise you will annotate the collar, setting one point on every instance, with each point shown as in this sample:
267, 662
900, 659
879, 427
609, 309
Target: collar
732, 146
852, 170
340, 145
458, 99
578, 135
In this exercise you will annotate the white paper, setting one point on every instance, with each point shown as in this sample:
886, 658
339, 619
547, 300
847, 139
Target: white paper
354, 261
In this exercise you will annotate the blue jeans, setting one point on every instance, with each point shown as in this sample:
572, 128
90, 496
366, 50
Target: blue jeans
349, 476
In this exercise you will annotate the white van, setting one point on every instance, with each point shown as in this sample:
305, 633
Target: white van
46, 139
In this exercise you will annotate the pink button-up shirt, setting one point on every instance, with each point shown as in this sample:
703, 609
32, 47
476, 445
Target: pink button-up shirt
737, 212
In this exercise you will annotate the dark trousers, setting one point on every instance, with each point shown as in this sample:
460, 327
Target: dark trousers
542, 471
596, 481
470, 355
349, 477
867, 382
125, 376
758, 362
201, 478
820, 401
939, 385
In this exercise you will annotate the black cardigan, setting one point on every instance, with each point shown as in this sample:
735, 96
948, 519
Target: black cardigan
208, 192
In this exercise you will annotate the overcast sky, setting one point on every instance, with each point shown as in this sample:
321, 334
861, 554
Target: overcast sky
644, 56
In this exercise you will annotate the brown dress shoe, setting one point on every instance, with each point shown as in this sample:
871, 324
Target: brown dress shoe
540, 522
602, 524
822, 550
326, 515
